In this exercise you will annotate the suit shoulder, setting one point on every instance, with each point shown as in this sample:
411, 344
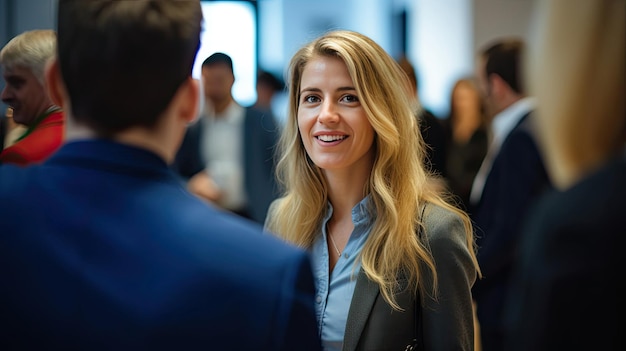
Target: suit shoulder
14, 178
265, 118
442, 226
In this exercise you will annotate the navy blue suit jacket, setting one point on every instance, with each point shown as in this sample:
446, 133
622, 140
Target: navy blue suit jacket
102, 248
260, 135
516, 179
568, 290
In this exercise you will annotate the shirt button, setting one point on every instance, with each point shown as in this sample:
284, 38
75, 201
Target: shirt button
346, 255
318, 299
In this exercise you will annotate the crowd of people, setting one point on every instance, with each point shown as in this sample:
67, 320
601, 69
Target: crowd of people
143, 211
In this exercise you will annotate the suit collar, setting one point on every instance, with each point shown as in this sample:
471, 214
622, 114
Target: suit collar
110, 156
507, 120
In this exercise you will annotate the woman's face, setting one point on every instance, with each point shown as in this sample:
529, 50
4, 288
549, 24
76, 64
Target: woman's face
332, 122
466, 99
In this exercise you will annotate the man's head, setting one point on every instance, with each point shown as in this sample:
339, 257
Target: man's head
218, 79
23, 61
267, 85
409, 69
499, 74
125, 64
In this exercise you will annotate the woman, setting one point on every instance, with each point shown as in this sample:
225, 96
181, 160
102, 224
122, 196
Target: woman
568, 290
394, 262
467, 138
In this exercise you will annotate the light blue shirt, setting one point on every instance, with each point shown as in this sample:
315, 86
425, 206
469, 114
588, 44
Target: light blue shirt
334, 292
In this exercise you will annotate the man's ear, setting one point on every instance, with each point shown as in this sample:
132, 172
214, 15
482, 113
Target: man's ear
191, 100
54, 82
497, 85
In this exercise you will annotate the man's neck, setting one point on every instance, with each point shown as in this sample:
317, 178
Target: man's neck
509, 101
221, 106
162, 142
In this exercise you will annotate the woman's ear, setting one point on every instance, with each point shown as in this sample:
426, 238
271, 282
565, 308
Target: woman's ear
54, 82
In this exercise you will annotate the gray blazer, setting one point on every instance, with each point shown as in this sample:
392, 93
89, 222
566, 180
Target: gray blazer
443, 325
446, 324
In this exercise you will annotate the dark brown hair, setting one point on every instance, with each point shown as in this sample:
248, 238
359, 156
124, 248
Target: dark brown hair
123, 61
504, 58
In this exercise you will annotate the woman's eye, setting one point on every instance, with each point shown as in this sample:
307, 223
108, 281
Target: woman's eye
351, 98
310, 99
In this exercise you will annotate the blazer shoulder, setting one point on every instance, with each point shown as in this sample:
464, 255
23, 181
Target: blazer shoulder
445, 235
439, 221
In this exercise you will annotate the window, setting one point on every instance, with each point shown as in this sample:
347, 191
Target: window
230, 27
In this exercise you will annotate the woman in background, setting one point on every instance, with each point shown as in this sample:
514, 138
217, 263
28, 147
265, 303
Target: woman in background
569, 287
393, 260
467, 138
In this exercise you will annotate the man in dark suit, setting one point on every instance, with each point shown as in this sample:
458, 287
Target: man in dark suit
431, 128
228, 155
102, 248
509, 180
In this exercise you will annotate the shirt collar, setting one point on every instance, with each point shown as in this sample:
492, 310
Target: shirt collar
361, 212
112, 156
507, 119
232, 114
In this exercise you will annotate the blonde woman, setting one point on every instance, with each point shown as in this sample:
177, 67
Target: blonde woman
393, 261
569, 286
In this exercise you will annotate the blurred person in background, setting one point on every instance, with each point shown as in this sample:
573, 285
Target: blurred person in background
467, 136
568, 289
430, 126
267, 86
228, 153
23, 60
510, 179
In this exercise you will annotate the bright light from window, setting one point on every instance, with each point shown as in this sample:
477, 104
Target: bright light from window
229, 27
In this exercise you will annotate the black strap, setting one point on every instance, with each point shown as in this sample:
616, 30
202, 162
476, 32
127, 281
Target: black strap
418, 342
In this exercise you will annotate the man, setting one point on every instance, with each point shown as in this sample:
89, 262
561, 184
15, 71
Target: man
23, 60
102, 248
509, 180
431, 127
267, 86
228, 156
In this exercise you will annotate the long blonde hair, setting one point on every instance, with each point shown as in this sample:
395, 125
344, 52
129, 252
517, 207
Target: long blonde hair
577, 72
399, 184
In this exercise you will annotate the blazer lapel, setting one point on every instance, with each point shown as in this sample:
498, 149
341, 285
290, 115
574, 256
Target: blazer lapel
363, 299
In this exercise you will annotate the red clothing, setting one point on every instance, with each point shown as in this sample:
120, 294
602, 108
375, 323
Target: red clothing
40, 141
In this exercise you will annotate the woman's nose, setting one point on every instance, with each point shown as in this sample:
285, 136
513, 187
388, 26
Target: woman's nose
328, 113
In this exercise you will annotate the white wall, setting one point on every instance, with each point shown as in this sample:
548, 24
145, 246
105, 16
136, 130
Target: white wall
443, 35
440, 37
497, 18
